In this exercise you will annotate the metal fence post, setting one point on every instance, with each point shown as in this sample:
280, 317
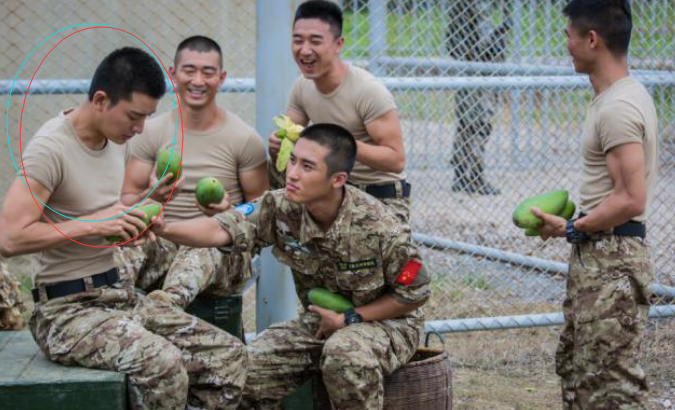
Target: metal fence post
377, 34
275, 73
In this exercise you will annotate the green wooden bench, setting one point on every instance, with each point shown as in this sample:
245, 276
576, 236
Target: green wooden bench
28, 381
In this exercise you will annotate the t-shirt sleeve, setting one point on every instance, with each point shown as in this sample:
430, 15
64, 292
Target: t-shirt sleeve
251, 232
43, 162
145, 145
375, 101
405, 273
295, 99
252, 152
620, 123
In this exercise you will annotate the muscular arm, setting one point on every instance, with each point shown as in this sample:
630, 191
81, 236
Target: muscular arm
196, 233
22, 231
254, 182
139, 179
136, 181
385, 307
626, 166
388, 153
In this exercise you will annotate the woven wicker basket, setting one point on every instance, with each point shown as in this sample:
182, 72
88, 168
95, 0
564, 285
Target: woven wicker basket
424, 383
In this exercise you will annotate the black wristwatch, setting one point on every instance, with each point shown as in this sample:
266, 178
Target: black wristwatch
573, 236
352, 316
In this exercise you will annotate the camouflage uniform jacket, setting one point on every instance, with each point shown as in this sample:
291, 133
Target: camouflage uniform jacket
365, 254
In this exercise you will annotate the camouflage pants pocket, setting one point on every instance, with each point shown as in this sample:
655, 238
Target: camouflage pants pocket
607, 374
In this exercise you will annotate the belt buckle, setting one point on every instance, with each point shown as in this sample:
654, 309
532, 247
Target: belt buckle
88, 284
42, 293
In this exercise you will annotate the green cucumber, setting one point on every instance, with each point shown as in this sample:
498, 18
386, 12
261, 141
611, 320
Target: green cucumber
328, 300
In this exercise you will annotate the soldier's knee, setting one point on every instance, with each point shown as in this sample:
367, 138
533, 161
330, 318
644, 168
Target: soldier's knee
229, 355
339, 357
166, 367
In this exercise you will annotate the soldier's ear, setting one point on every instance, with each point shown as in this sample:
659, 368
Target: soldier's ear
339, 179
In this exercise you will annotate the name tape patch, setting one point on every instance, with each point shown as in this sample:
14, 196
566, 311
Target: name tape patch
357, 265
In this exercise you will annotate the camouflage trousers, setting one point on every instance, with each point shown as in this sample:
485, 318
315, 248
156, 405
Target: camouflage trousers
11, 304
605, 310
353, 361
184, 272
173, 359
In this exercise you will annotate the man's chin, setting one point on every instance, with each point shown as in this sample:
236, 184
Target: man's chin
292, 197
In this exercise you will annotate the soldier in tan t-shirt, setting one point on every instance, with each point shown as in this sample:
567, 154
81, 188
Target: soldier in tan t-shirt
217, 143
86, 313
331, 91
607, 299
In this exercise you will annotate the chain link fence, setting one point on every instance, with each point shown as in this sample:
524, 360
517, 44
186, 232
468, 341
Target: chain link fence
491, 112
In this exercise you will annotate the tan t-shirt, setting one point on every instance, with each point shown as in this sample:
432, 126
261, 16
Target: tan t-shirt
81, 181
222, 153
359, 100
624, 113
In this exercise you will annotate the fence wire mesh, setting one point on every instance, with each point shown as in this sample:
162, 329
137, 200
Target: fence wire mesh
492, 112
490, 107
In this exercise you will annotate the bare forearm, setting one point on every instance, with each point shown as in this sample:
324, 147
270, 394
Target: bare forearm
612, 211
41, 236
380, 157
130, 198
386, 307
197, 233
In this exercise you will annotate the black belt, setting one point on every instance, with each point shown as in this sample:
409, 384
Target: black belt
630, 228
69, 287
386, 191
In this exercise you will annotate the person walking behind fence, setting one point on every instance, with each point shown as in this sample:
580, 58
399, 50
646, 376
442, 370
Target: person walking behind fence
334, 236
218, 144
85, 313
474, 108
606, 304
333, 92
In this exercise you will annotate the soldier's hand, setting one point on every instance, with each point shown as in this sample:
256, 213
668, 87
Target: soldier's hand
215, 209
163, 190
113, 221
274, 146
553, 225
161, 296
157, 227
330, 321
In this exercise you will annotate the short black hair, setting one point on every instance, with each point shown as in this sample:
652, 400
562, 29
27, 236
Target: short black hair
611, 19
201, 44
125, 71
323, 10
340, 143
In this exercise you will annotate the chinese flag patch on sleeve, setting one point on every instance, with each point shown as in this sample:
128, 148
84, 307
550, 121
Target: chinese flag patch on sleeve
409, 272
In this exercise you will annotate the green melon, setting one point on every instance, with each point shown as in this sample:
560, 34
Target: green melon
328, 300
150, 210
552, 202
209, 191
165, 158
